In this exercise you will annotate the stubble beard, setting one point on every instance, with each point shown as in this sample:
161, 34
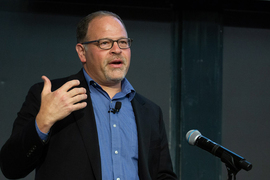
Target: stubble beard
115, 75
109, 74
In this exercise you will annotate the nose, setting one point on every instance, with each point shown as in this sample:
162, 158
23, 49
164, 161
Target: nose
115, 48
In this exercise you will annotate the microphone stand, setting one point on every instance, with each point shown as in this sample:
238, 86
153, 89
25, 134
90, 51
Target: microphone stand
231, 167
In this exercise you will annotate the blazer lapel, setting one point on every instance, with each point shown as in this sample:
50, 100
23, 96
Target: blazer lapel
144, 134
85, 119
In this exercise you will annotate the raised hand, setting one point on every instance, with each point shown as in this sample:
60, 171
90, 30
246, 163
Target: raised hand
59, 104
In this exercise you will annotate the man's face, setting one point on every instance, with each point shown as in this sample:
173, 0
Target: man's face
106, 67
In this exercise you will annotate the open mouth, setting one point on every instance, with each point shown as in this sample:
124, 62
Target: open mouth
116, 62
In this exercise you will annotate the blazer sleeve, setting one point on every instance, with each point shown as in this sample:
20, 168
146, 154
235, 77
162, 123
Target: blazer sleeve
21, 153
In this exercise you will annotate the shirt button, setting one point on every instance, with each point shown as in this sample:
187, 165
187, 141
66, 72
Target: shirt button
116, 152
117, 178
114, 125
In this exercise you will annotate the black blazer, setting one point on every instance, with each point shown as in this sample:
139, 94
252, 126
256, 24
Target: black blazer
72, 149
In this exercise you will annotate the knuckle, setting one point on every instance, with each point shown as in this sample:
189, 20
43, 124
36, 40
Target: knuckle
81, 90
59, 94
78, 90
63, 98
70, 109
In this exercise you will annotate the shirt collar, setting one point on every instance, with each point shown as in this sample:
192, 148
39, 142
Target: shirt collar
127, 88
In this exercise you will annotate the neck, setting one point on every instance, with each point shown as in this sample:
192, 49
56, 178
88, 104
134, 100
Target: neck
112, 90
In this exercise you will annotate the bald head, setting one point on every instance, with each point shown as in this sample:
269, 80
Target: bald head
83, 24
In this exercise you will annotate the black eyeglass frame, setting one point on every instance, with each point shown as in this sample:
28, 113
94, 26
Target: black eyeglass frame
129, 42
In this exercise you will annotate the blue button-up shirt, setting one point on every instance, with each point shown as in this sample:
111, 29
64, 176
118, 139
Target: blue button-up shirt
117, 132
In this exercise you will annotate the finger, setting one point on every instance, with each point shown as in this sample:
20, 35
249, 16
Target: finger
76, 99
47, 85
77, 91
79, 106
68, 85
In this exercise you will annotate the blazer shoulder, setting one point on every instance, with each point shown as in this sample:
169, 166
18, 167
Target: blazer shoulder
144, 101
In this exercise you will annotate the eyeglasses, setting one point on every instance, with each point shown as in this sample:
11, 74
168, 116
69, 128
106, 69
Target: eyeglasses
123, 43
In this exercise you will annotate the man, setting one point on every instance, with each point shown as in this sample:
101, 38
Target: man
92, 125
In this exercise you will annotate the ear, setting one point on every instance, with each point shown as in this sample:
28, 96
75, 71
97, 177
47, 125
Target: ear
81, 52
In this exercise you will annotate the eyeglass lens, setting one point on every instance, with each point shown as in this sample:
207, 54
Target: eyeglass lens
123, 43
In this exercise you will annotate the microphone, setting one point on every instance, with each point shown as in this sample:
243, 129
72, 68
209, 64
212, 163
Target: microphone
194, 137
116, 108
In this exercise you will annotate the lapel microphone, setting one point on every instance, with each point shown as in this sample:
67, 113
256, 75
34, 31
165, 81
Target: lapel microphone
117, 107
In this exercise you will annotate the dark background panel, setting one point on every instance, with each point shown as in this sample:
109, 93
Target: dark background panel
36, 44
38, 37
246, 97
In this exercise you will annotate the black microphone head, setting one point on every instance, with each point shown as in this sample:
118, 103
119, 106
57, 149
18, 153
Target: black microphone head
192, 136
118, 105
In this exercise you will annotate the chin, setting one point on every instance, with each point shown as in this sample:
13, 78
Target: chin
116, 77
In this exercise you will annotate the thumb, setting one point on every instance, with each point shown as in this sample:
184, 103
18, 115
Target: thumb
47, 85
